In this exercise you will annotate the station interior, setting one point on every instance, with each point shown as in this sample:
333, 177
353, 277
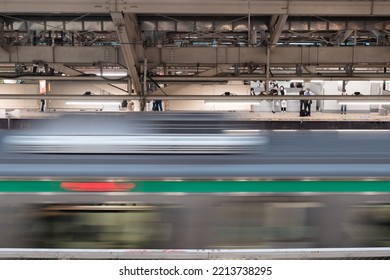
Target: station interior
160, 125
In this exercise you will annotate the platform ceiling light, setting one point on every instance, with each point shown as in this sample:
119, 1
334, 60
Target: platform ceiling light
297, 81
112, 74
364, 103
92, 103
10, 81
236, 102
317, 81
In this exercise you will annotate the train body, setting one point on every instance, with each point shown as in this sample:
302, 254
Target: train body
195, 214
290, 189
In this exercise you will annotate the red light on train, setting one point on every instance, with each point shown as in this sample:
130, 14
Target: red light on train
97, 186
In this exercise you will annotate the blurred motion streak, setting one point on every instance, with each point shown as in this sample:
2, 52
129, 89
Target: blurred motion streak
136, 134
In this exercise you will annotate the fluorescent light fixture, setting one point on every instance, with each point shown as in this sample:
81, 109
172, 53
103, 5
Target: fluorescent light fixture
364, 103
92, 103
301, 43
296, 81
10, 81
376, 82
317, 81
237, 102
112, 74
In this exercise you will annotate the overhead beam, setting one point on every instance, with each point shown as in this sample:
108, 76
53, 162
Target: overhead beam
272, 21
375, 56
202, 7
372, 55
214, 70
277, 29
59, 67
60, 54
234, 98
128, 38
90, 79
3, 54
225, 79
217, 79
342, 36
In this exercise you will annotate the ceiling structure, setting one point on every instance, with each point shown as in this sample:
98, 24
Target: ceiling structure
148, 42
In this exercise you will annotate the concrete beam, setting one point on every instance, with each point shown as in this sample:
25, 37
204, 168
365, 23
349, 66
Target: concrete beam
342, 36
64, 69
225, 79
214, 70
202, 7
128, 37
60, 54
4, 55
234, 98
373, 55
277, 29
191, 56
208, 80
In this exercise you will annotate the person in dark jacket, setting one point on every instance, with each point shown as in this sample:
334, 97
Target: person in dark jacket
307, 103
344, 106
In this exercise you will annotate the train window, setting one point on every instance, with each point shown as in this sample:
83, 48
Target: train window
266, 224
99, 226
368, 225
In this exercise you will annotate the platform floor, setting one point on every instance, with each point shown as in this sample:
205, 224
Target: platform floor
316, 116
269, 116
262, 120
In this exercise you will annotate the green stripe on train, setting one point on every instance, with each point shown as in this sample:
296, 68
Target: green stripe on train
212, 186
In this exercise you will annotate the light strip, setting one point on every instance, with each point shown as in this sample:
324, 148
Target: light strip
232, 102
10, 81
91, 103
364, 103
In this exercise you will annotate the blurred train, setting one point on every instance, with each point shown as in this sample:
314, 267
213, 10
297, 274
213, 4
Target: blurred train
137, 133
198, 215
291, 189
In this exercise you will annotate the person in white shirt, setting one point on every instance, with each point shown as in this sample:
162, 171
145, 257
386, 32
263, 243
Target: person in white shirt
283, 105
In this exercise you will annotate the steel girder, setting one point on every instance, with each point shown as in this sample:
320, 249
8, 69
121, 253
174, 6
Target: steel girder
357, 56
217, 7
128, 36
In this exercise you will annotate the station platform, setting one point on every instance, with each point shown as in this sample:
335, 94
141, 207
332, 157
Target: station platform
319, 120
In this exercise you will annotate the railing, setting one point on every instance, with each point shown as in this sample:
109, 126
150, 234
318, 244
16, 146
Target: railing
212, 254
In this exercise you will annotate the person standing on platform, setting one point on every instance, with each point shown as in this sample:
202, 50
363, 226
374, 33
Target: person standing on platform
307, 103
274, 91
344, 106
283, 105
157, 105
282, 90
301, 104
